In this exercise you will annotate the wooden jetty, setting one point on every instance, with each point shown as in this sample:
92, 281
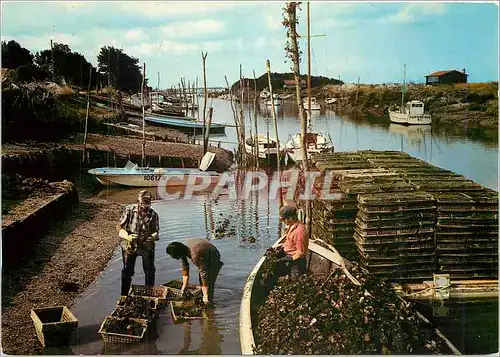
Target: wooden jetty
408, 221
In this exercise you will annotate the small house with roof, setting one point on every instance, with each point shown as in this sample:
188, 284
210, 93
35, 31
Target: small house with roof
446, 77
290, 83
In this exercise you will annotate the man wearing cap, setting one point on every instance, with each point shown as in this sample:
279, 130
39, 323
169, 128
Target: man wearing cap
139, 227
295, 245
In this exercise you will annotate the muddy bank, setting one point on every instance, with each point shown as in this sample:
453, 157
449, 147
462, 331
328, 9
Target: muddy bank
65, 262
472, 105
57, 159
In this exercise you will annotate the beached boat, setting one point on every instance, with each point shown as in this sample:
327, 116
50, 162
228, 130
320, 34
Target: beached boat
411, 114
331, 100
320, 262
314, 104
184, 125
135, 176
267, 150
316, 143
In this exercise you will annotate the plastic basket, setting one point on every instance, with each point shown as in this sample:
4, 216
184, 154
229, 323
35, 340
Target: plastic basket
175, 293
54, 325
150, 292
176, 305
113, 337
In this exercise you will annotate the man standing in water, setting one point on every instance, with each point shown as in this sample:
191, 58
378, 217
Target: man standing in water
295, 246
139, 227
205, 256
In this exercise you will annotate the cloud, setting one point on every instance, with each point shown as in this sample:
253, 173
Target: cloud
412, 13
134, 35
193, 28
170, 8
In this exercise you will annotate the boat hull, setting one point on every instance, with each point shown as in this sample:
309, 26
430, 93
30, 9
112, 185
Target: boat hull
320, 262
185, 125
152, 178
406, 119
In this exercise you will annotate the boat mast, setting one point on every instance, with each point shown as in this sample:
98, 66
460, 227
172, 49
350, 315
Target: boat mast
143, 115
403, 88
309, 66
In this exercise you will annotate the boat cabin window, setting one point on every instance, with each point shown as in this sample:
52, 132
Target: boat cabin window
417, 105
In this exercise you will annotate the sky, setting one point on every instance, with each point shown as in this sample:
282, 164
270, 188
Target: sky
369, 40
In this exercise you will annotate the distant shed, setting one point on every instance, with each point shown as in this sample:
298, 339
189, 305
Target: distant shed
290, 83
446, 77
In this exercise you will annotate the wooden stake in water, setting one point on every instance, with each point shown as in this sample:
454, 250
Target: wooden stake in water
273, 113
256, 147
143, 116
87, 116
204, 58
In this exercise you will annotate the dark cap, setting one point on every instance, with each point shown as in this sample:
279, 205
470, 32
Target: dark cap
144, 196
288, 212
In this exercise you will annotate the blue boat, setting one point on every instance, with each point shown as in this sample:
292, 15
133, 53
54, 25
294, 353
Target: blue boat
185, 125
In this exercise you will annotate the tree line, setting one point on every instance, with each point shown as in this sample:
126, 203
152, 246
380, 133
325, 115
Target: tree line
62, 65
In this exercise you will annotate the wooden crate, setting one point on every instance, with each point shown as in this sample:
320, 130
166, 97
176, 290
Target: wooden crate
54, 325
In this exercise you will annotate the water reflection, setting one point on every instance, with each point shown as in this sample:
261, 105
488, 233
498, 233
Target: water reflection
211, 337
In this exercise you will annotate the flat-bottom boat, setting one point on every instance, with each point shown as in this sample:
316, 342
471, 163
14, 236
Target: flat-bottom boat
320, 262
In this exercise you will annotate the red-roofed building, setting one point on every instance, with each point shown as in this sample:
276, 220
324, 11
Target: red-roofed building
290, 83
446, 77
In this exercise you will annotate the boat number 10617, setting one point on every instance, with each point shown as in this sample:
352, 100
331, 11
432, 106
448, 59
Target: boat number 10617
152, 177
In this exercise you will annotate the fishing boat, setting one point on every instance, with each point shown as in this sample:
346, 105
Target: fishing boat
314, 104
275, 101
267, 149
331, 100
410, 114
184, 125
135, 176
316, 143
321, 260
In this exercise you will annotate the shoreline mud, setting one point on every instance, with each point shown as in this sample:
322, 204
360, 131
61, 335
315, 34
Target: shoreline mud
66, 261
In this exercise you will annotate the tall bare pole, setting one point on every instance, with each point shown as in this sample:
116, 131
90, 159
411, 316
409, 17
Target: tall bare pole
53, 70
309, 66
204, 58
291, 23
242, 118
87, 116
273, 113
255, 119
197, 100
357, 90
143, 116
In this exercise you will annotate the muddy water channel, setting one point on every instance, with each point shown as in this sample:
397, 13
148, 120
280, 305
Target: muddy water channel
181, 219
254, 226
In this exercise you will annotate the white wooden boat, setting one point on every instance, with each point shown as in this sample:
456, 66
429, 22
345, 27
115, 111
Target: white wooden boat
331, 100
411, 114
314, 104
266, 149
275, 101
320, 262
316, 143
135, 176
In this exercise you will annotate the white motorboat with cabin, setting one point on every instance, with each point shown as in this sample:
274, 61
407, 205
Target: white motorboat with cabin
314, 104
316, 143
411, 114
267, 149
135, 176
